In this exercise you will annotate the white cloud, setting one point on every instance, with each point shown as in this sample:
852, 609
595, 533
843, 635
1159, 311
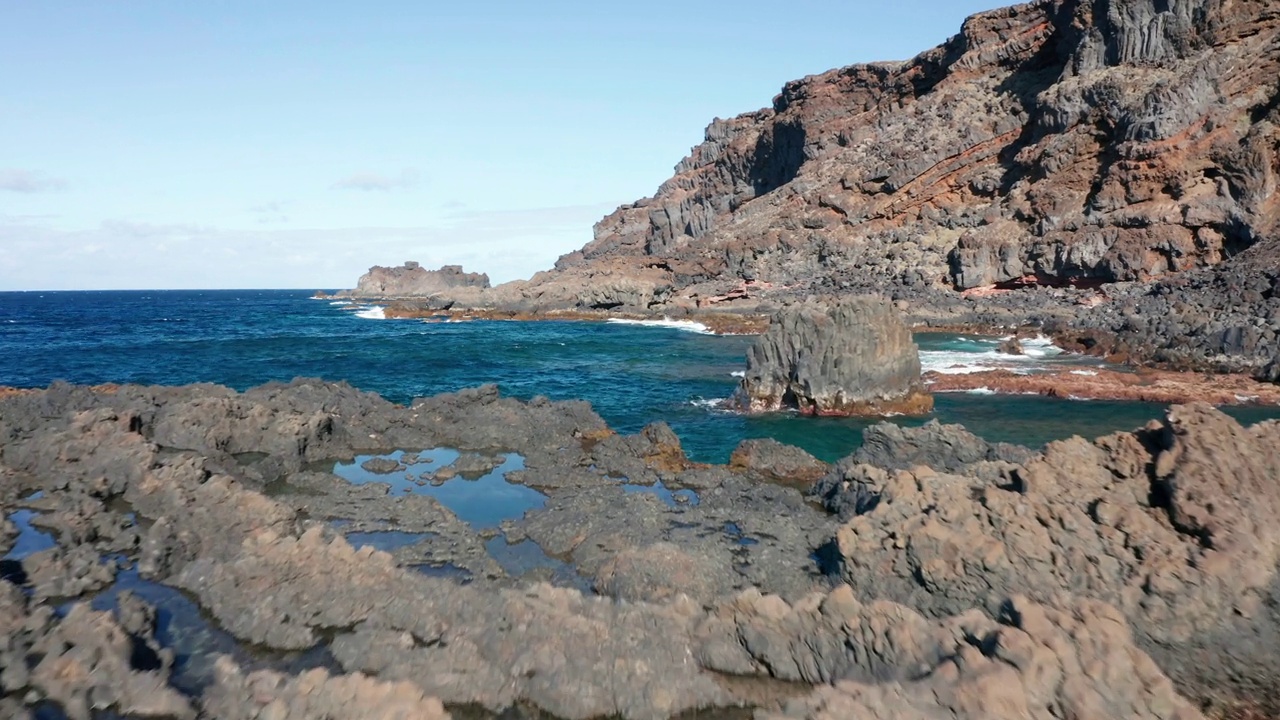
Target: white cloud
120, 254
270, 213
370, 181
29, 181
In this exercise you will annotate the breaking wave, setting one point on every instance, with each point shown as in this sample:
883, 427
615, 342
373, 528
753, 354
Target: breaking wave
686, 325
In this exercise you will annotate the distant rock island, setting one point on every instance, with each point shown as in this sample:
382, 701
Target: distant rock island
1104, 170
412, 280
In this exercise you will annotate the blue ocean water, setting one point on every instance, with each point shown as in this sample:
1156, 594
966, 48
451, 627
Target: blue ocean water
631, 374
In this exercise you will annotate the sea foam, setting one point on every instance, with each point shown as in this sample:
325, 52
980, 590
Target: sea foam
686, 325
958, 362
376, 312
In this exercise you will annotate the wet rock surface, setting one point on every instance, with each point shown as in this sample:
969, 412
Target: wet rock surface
852, 357
197, 552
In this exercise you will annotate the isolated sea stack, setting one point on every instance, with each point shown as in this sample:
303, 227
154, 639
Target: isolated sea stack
413, 280
850, 357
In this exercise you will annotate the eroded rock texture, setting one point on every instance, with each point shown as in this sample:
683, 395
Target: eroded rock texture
1104, 579
1173, 524
854, 357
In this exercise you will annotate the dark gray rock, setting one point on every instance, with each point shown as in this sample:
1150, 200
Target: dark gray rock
853, 357
411, 279
382, 466
946, 448
771, 460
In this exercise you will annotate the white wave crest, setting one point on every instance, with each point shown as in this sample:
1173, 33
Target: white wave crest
1037, 354
984, 390
340, 302
1039, 346
947, 362
739, 373
376, 312
1089, 373
710, 403
686, 325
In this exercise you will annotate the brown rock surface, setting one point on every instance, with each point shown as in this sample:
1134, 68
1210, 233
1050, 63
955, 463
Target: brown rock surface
1157, 386
1040, 661
314, 694
1167, 534
1174, 524
771, 460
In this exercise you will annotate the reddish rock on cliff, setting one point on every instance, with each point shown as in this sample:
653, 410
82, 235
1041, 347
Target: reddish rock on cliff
1115, 140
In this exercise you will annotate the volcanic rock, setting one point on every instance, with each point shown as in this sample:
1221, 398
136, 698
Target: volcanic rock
854, 357
411, 280
771, 460
314, 694
1173, 524
956, 604
949, 448
1059, 147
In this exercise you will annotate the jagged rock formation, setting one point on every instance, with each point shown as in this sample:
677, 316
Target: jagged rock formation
1059, 142
1115, 140
1173, 524
885, 661
412, 280
1096, 580
853, 357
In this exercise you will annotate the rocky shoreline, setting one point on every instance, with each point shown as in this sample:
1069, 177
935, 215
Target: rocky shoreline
1134, 382
1104, 171
930, 572
1143, 385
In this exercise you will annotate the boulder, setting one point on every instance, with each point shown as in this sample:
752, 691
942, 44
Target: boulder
771, 460
851, 357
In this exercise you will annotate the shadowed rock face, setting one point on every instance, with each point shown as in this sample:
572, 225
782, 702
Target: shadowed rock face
855, 357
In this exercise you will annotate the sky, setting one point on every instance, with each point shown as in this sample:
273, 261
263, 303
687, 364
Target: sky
241, 144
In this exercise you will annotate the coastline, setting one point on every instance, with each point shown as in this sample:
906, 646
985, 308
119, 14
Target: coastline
1137, 383
1142, 385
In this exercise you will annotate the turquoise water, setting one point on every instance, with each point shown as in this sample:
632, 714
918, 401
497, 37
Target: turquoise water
631, 374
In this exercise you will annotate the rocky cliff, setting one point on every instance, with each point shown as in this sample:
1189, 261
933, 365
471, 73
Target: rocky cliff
1068, 143
1105, 140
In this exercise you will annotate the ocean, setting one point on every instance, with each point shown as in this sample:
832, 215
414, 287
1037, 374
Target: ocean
631, 373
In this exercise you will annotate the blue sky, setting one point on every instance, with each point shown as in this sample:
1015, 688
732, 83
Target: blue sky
290, 144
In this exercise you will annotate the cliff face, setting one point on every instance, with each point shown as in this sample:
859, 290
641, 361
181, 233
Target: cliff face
1081, 141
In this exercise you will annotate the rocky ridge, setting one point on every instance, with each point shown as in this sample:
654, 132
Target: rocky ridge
1109, 167
1107, 579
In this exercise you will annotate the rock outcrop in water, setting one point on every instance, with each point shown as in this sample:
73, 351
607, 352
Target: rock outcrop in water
1108, 579
412, 280
853, 357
